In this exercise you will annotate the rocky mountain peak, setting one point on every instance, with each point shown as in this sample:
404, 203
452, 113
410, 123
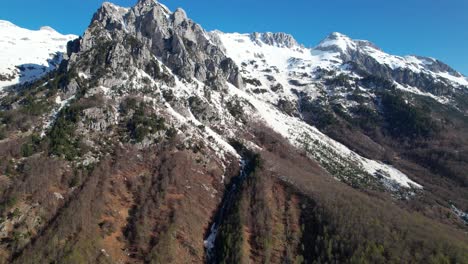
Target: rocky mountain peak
149, 31
280, 39
109, 15
147, 2
147, 5
179, 16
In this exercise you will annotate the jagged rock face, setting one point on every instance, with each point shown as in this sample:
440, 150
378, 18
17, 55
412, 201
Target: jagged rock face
153, 32
281, 40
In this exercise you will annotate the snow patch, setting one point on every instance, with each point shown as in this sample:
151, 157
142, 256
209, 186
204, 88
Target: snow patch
53, 116
58, 196
414, 90
462, 215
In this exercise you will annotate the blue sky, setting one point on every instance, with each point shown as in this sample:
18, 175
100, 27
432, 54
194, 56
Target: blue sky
435, 28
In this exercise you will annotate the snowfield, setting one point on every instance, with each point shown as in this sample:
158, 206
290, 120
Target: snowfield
26, 55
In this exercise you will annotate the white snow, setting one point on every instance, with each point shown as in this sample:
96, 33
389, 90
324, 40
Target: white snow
58, 196
83, 75
462, 215
58, 100
338, 40
185, 90
292, 63
33, 51
167, 11
460, 80
241, 48
414, 90
209, 242
49, 121
121, 10
294, 129
413, 63
259, 60
221, 146
375, 168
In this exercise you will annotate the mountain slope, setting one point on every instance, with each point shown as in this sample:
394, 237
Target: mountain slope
360, 100
26, 55
158, 142
339, 53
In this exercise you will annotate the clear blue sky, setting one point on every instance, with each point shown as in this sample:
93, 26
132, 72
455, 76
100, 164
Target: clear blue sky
435, 28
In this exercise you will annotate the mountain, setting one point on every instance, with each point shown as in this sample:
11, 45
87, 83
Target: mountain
155, 141
26, 55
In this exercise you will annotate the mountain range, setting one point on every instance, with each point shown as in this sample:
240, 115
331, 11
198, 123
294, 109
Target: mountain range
150, 140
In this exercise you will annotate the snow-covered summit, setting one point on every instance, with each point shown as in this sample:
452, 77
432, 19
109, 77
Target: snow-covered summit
334, 53
336, 42
365, 52
26, 55
291, 68
47, 28
339, 42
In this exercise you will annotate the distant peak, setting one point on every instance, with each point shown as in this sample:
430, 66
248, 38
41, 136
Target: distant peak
339, 42
337, 35
47, 28
280, 39
5, 23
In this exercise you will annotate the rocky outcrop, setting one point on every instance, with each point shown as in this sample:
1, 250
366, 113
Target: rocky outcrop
280, 39
150, 32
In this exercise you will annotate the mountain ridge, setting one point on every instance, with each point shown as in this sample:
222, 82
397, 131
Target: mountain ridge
157, 141
289, 41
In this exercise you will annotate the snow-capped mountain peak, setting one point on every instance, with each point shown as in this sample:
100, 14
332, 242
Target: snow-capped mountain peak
47, 28
369, 57
337, 42
26, 55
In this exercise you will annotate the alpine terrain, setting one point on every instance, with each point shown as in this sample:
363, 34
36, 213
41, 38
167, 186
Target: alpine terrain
151, 140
